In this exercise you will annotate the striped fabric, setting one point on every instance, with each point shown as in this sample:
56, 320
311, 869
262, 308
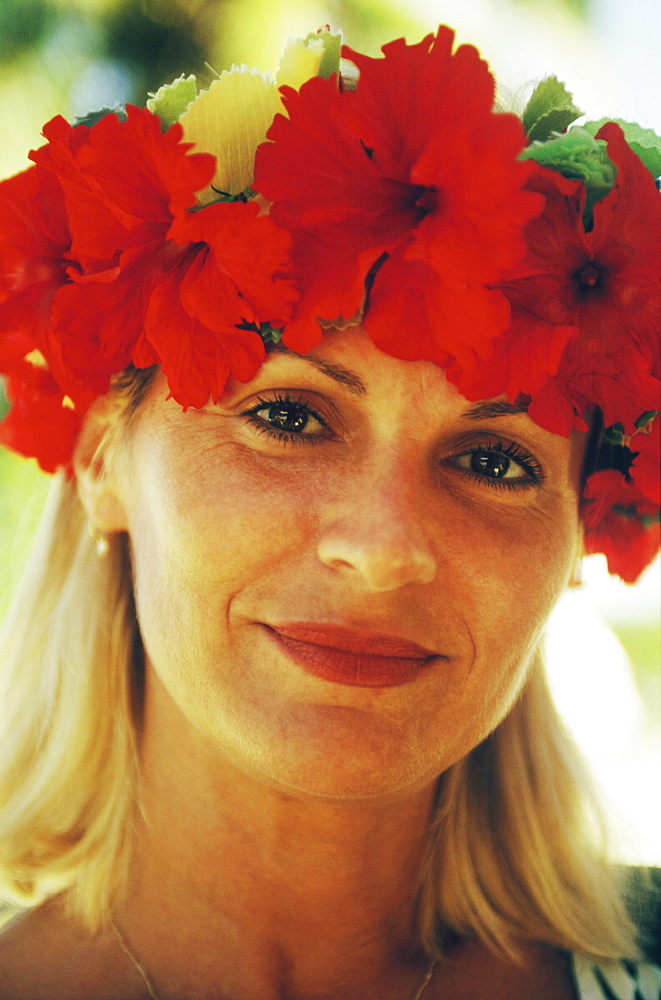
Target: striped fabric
616, 980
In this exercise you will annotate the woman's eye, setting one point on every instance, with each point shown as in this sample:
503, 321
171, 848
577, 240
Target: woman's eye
286, 419
502, 464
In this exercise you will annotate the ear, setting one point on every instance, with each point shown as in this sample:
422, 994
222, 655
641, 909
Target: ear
97, 476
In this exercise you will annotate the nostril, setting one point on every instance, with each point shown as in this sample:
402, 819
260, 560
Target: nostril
386, 564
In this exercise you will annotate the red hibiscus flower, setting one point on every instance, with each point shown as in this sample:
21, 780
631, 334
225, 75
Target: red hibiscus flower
39, 424
34, 238
606, 283
412, 172
645, 470
120, 183
619, 382
159, 283
621, 523
223, 280
123, 182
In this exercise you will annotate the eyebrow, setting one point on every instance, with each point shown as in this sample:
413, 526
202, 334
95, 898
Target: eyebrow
349, 379
494, 408
481, 411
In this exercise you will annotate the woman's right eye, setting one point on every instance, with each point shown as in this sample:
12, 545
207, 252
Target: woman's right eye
287, 420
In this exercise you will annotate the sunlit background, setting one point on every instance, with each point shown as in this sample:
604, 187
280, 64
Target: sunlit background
72, 56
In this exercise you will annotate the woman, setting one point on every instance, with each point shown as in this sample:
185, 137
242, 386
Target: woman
274, 713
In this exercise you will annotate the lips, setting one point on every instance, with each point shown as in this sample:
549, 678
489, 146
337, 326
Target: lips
354, 657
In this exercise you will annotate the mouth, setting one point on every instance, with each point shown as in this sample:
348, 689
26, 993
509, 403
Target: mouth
353, 657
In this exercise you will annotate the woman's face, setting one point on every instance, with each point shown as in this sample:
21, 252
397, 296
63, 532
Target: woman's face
343, 568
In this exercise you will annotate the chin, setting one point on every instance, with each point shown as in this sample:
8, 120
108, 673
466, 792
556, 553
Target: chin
336, 754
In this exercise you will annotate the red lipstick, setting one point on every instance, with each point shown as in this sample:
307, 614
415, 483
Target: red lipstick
347, 656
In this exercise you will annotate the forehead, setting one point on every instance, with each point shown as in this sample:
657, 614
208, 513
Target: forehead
351, 360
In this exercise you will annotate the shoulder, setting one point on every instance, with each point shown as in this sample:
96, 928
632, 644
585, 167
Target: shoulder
46, 955
472, 971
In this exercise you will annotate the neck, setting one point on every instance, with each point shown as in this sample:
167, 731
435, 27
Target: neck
269, 893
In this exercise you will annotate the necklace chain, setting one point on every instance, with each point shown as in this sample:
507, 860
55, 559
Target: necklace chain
429, 972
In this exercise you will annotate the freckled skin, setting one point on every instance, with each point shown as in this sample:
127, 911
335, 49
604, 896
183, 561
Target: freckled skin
372, 525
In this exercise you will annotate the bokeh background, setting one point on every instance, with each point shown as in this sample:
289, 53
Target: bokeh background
72, 56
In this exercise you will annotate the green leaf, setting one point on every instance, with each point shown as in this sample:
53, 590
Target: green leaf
550, 109
614, 434
172, 99
270, 334
90, 118
645, 143
646, 419
579, 156
4, 402
330, 60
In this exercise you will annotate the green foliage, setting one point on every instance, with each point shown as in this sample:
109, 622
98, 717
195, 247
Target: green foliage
645, 143
24, 24
642, 643
92, 117
155, 41
646, 418
22, 493
614, 434
330, 61
550, 109
579, 156
4, 405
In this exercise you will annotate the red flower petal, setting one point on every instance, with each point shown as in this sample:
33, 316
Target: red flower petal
626, 243
398, 121
414, 313
197, 361
619, 383
34, 237
246, 251
518, 363
607, 282
123, 181
414, 164
98, 323
38, 424
621, 523
646, 468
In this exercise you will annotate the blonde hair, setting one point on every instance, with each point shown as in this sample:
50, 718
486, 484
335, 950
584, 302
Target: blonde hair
511, 852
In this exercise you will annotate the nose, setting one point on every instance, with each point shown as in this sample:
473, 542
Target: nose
379, 540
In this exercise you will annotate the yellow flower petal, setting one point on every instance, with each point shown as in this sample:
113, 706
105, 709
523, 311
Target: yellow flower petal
230, 119
300, 61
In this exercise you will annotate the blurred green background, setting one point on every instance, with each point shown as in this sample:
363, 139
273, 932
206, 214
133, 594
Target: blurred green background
72, 56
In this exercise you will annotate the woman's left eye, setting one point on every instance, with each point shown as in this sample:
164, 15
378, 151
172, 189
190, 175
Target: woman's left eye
287, 420
501, 464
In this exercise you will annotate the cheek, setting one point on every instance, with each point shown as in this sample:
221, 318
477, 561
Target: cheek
504, 574
199, 536
511, 578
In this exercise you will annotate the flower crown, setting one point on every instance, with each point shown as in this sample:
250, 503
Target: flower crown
521, 255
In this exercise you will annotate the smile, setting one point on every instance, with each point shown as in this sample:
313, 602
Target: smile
358, 659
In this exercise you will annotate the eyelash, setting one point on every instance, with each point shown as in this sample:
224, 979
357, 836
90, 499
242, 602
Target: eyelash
284, 437
509, 449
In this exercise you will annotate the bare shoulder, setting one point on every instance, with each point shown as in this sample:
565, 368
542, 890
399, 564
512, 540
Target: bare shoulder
472, 972
47, 955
